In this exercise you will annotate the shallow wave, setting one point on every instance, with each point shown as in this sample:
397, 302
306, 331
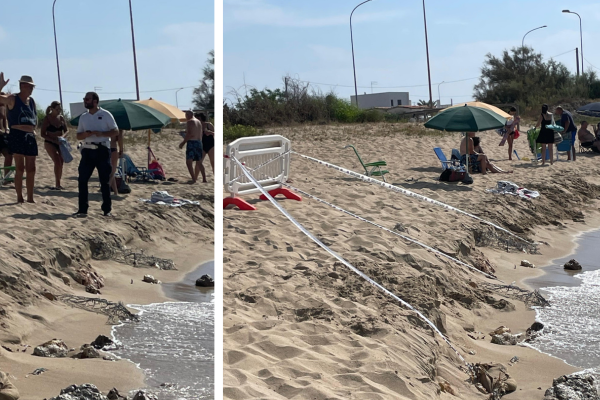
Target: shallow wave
174, 344
572, 322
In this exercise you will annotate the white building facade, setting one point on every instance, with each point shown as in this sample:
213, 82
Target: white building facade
387, 99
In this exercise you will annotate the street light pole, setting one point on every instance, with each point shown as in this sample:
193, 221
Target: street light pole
427, 51
580, 35
56, 49
523, 41
137, 86
176, 100
352, 44
439, 97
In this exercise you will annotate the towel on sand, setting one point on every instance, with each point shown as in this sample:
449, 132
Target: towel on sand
164, 198
506, 187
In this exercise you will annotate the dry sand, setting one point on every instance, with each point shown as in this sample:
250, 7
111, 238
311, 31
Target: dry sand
299, 326
40, 243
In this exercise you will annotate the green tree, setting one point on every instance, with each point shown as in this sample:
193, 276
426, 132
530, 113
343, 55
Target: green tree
522, 76
426, 103
204, 95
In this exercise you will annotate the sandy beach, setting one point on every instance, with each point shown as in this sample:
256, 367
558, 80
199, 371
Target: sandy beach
299, 325
43, 249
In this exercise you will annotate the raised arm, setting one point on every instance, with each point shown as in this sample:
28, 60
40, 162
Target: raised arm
6, 99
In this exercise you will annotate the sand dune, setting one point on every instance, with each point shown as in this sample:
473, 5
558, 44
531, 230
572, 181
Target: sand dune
40, 244
300, 325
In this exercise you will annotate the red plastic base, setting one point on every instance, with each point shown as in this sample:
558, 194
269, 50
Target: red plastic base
239, 203
286, 192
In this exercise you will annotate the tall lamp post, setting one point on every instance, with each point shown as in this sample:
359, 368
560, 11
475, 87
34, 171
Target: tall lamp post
439, 97
523, 41
137, 86
580, 35
352, 44
427, 51
176, 100
56, 49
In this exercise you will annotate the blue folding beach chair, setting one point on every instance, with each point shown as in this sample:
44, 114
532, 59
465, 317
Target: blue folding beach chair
128, 170
446, 164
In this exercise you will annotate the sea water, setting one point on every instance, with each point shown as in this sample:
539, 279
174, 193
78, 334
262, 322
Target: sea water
572, 321
174, 342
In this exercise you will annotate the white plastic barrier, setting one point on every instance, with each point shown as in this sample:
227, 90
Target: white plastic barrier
270, 154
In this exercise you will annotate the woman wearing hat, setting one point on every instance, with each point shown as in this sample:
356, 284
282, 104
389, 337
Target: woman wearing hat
22, 120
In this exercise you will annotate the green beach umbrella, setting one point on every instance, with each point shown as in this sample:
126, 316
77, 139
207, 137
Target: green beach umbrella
132, 116
466, 119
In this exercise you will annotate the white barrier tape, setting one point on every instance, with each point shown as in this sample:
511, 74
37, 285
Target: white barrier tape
260, 166
435, 251
346, 263
409, 193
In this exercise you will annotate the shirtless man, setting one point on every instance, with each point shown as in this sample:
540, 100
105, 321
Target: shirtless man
4, 136
474, 157
193, 152
587, 138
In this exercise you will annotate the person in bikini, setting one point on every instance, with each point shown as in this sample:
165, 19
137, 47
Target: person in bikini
477, 158
22, 121
53, 127
208, 144
115, 155
193, 143
512, 127
587, 138
4, 137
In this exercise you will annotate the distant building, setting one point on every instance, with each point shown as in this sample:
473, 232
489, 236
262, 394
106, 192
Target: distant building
387, 99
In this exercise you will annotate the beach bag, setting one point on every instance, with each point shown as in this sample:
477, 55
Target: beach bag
456, 176
122, 186
467, 179
159, 173
516, 134
65, 150
445, 176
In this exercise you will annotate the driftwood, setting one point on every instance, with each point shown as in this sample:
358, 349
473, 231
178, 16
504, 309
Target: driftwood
514, 292
116, 312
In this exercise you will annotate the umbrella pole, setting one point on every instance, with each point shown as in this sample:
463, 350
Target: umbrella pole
149, 131
468, 152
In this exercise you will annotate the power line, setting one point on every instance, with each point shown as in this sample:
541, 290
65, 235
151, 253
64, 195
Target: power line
385, 87
558, 55
143, 91
593, 66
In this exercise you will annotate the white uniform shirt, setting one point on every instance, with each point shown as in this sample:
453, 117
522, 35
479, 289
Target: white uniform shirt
101, 121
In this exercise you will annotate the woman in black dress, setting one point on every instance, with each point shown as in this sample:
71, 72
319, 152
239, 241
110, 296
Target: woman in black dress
53, 127
546, 136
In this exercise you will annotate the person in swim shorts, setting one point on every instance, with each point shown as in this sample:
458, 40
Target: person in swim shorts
193, 143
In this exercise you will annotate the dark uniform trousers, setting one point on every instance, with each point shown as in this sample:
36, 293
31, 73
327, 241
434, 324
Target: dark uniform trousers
100, 159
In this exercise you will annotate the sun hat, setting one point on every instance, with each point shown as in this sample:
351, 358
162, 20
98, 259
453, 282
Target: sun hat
27, 79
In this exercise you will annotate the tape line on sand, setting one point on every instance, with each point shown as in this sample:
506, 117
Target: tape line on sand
435, 251
409, 193
346, 263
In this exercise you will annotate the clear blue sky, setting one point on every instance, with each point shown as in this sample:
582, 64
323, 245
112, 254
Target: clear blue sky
94, 43
265, 39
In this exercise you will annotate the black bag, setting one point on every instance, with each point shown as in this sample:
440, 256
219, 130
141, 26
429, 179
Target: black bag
445, 176
467, 180
124, 187
456, 176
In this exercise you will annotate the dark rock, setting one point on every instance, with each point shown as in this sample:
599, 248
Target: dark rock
89, 278
113, 394
334, 275
205, 281
91, 289
536, 326
572, 265
86, 391
573, 387
142, 395
101, 342
52, 348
